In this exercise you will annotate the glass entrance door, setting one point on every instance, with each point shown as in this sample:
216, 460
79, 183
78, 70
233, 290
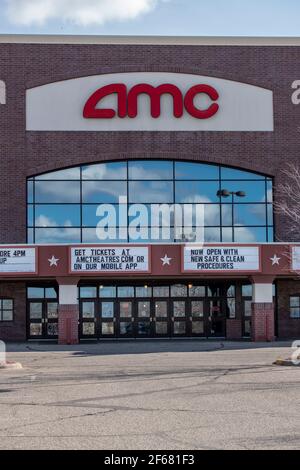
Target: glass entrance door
36, 318
125, 318
97, 319
51, 319
43, 319
216, 318
88, 319
197, 318
107, 320
179, 321
149, 311
144, 319
161, 324
246, 316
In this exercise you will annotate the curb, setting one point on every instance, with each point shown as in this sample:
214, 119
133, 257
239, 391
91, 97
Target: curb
11, 365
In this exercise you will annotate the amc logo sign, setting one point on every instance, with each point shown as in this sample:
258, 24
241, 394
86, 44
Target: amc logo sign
128, 101
149, 101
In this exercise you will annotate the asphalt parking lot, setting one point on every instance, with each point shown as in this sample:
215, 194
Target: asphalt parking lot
158, 395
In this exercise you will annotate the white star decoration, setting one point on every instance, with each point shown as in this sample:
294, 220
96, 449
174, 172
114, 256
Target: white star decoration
53, 261
166, 260
275, 260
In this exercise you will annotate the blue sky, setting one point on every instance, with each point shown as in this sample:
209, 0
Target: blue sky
156, 17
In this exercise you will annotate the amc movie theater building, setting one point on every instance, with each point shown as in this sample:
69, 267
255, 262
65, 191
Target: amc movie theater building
94, 131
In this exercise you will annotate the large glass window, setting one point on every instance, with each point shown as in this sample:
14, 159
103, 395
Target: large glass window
41, 293
102, 191
6, 310
151, 192
56, 192
64, 206
105, 171
150, 170
295, 306
196, 191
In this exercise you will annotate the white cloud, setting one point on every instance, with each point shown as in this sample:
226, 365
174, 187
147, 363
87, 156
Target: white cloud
80, 12
48, 232
44, 221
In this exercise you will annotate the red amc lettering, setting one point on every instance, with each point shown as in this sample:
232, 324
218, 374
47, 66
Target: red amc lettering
91, 112
155, 96
128, 101
201, 113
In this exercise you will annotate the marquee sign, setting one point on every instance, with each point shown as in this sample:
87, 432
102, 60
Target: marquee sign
221, 258
149, 101
17, 260
121, 259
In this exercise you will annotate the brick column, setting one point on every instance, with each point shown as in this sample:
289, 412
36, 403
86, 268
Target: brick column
263, 315
68, 312
263, 322
233, 328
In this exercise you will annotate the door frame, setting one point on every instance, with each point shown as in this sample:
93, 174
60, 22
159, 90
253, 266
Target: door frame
245, 318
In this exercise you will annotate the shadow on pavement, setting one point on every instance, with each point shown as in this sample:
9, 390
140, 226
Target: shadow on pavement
123, 347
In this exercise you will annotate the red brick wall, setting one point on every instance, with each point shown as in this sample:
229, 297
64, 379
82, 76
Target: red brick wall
263, 322
26, 153
16, 330
287, 327
23, 154
233, 329
68, 316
